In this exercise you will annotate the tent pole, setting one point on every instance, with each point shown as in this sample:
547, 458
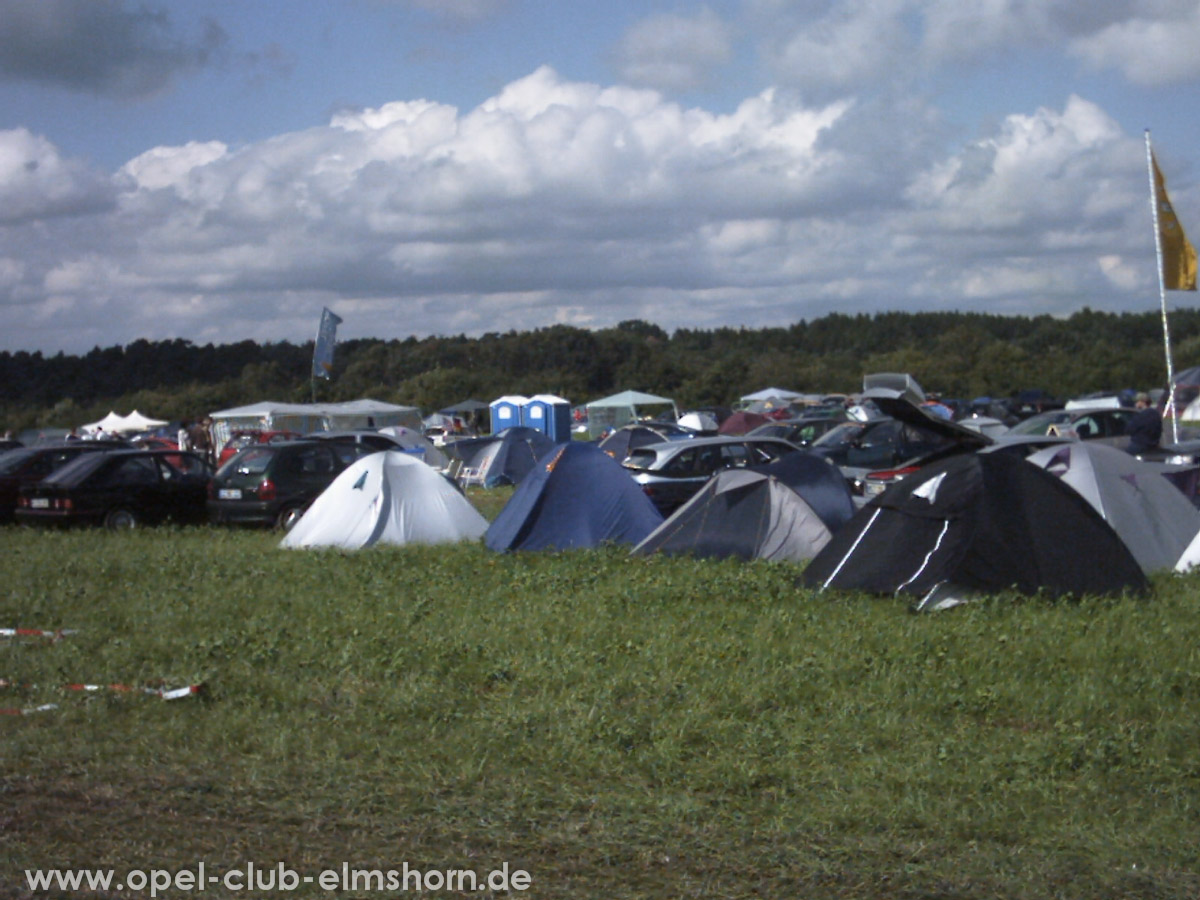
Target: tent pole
1162, 295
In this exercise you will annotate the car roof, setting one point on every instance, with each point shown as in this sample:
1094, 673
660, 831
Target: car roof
719, 440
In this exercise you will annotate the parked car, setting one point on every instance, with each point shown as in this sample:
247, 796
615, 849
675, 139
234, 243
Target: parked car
801, 431
1107, 424
361, 442
908, 436
670, 472
241, 439
120, 489
29, 465
627, 438
273, 484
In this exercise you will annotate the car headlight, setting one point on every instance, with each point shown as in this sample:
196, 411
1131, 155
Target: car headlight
1181, 459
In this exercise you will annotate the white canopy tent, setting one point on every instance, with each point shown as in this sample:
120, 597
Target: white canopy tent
623, 408
309, 417
115, 423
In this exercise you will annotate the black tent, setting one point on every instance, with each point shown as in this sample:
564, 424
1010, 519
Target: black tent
977, 523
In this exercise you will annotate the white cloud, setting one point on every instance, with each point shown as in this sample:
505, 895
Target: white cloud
565, 201
673, 52
1148, 51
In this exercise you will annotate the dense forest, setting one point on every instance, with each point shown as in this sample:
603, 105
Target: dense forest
956, 354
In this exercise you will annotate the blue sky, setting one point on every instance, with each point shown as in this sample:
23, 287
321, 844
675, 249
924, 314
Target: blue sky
222, 170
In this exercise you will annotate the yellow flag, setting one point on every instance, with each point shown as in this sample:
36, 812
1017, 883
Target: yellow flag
1178, 255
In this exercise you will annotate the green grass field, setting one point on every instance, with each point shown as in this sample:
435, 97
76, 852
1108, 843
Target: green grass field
651, 728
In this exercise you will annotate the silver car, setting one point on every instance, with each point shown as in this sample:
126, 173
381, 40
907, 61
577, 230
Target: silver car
672, 471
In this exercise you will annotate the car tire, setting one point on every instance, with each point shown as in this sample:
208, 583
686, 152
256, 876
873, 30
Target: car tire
288, 517
121, 520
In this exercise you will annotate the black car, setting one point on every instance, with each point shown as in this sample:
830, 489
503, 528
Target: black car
273, 484
908, 433
29, 465
120, 489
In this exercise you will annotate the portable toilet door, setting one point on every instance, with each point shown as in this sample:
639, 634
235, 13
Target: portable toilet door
506, 412
550, 415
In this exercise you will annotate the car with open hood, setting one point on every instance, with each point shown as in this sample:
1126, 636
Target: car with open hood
904, 438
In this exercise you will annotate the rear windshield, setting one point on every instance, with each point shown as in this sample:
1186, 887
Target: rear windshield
13, 460
639, 459
252, 461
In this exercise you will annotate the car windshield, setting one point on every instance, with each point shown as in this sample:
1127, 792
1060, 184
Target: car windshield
841, 436
1041, 422
77, 470
640, 459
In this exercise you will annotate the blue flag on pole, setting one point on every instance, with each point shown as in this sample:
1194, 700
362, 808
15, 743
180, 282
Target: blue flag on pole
323, 351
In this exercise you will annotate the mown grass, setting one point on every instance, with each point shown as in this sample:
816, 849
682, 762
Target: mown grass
618, 728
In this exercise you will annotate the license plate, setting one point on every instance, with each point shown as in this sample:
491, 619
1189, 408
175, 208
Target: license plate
229, 494
39, 503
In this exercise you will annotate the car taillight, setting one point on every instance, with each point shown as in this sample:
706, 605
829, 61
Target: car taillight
266, 489
891, 474
64, 503
22, 501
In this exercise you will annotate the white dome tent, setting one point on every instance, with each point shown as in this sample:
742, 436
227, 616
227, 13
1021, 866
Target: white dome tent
387, 498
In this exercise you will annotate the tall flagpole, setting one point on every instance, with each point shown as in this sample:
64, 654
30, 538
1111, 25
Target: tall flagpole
1162, 293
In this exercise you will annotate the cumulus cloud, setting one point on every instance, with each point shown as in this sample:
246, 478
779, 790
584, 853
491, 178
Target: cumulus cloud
673, 52
99, 46
36, 183
1147, 51
563, 201
862, 44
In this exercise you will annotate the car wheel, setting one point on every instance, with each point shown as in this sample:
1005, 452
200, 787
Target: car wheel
288, 517
121, 520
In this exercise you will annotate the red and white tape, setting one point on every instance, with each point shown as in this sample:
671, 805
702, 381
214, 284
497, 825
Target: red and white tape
190, 690
56, 635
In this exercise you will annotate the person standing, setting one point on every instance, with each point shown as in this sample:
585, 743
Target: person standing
1145, 427
184, 438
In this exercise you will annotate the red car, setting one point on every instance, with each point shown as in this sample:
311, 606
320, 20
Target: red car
240, 440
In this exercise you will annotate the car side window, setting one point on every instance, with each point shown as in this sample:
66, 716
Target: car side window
682, 463
315, 461
132, 472
1118, 423
346, 453
734, 455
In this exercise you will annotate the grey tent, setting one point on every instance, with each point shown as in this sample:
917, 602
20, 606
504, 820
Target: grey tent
742, 513
1150, 514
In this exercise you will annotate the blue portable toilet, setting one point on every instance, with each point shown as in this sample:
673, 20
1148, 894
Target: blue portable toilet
506, 412
548, 414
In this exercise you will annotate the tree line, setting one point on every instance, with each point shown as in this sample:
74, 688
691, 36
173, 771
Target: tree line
956, 354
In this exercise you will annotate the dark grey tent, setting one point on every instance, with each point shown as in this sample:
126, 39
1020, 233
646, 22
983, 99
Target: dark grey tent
504, 458
741, 513
972, 524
